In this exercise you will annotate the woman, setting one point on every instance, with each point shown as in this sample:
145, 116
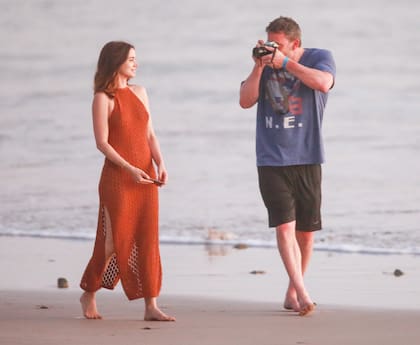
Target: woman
127, 242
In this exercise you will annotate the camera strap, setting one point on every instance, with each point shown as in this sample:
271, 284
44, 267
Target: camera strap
272, 57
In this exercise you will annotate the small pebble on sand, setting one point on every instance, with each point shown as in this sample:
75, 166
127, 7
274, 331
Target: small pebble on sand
62, 283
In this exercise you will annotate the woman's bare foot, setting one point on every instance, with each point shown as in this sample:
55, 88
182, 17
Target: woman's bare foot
155, 314
88, 302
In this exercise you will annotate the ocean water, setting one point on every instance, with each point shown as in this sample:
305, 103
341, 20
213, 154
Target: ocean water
193, 56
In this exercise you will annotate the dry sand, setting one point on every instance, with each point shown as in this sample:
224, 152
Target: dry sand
214, 297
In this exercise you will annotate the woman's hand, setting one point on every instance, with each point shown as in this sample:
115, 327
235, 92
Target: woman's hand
162, 174
139, 176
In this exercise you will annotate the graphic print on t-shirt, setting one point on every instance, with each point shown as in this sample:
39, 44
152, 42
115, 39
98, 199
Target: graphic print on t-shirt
280, 87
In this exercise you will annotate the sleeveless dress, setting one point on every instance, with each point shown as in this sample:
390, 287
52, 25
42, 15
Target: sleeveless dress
127, 209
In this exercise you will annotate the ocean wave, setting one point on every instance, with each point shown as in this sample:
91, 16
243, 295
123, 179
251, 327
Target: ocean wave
333, 248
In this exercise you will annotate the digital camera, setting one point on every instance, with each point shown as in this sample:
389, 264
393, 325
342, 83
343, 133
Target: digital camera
261, 51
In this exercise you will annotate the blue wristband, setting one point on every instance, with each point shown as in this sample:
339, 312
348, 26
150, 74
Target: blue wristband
285, 60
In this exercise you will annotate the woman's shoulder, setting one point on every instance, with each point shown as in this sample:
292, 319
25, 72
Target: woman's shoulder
101, 96
102, 101
140, 92
138, 89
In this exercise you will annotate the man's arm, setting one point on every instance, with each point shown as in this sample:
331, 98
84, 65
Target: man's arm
249, 91
311, 77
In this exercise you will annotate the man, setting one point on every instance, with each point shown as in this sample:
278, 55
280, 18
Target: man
290, 84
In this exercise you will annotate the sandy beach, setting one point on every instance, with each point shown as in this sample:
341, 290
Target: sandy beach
214, 296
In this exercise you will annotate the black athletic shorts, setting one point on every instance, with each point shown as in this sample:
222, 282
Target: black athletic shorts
292, 193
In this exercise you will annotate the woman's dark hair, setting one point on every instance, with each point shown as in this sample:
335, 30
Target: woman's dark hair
112, 56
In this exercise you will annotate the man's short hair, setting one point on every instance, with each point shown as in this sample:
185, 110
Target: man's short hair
286, 25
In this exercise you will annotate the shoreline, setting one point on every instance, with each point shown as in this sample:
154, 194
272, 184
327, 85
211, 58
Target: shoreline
223, 272
171, 241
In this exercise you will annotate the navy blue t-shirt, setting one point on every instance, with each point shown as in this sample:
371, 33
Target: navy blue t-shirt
289, 115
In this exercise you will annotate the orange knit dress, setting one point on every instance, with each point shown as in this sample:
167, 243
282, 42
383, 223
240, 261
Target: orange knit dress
127, 209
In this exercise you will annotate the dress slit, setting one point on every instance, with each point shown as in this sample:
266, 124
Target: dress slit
110, 276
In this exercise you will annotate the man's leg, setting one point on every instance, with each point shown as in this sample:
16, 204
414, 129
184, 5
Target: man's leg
290, 253
305, 240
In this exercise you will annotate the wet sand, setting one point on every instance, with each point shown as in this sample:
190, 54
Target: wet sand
214, 296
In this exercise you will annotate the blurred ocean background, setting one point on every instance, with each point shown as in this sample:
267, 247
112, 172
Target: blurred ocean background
193, 56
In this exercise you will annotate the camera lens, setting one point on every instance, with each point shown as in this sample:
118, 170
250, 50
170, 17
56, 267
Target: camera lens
260, 51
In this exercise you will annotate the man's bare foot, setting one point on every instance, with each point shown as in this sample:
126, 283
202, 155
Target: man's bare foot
290, 304
88, 302
306, 306
291, 301
155, 314
307, 309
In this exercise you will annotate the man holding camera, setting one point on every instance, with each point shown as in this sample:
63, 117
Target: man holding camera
290, 84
